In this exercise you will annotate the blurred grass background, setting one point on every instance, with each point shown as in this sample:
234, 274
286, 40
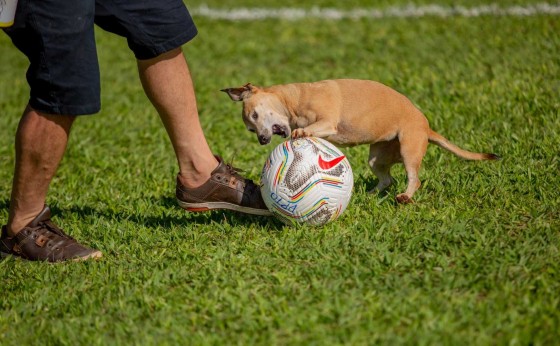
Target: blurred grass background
474, 261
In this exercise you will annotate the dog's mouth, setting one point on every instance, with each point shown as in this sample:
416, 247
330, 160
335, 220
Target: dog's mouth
280, 130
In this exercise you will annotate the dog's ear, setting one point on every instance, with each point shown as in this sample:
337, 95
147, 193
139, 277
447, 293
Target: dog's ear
241, 93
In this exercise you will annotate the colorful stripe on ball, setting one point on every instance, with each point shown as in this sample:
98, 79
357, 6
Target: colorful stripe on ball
282, 167
326, 181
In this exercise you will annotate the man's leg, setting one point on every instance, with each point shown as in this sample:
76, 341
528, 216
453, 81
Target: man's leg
40, 144
203, 183
167, 82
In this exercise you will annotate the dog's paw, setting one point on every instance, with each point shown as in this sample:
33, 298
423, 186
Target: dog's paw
404, 198
299, 133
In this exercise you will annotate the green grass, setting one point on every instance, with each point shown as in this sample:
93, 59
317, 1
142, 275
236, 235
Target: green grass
474, 261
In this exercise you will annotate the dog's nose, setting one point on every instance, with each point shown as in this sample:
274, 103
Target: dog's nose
263, 139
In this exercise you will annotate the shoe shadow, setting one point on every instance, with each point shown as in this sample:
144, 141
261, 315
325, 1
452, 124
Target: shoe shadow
167, 221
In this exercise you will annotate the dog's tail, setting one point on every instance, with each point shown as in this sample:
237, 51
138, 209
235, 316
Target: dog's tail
444, 143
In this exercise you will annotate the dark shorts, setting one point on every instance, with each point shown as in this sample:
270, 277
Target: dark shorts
57, 36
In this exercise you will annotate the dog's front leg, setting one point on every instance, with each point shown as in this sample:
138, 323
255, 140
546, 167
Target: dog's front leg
319, 129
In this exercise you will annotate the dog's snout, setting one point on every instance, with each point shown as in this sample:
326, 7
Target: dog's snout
263, 139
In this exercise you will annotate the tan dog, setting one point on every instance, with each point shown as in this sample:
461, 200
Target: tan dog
348, 112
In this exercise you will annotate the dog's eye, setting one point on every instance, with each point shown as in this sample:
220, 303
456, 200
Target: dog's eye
255, 116
252, 130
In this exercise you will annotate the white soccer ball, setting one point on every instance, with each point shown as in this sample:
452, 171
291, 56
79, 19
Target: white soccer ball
307, 180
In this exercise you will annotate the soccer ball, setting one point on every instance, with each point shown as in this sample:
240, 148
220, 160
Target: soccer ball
307, 180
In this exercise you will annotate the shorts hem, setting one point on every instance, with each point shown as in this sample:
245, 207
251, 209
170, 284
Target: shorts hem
144, 53
65, 109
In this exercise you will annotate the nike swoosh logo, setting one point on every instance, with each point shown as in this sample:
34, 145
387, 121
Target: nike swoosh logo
330, 164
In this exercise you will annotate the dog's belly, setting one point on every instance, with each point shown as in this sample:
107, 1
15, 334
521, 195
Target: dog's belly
348, 136
344, 141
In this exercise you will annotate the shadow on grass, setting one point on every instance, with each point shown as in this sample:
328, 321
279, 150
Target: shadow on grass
364, 185
167, 221
271, 224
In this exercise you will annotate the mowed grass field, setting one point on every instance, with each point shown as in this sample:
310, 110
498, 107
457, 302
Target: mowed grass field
474, 261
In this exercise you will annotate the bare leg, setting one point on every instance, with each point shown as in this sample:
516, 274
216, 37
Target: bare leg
167, 82
40, 144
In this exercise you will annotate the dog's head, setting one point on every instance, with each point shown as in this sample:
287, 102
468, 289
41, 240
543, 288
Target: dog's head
263, 112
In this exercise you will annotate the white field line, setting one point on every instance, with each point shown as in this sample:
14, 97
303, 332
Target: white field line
409, 11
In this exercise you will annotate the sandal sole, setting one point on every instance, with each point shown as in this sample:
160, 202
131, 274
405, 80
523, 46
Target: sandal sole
92, 256
202, 207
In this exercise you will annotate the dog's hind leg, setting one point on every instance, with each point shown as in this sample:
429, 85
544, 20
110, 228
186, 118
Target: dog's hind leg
413, 148
383, 173
382, 156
